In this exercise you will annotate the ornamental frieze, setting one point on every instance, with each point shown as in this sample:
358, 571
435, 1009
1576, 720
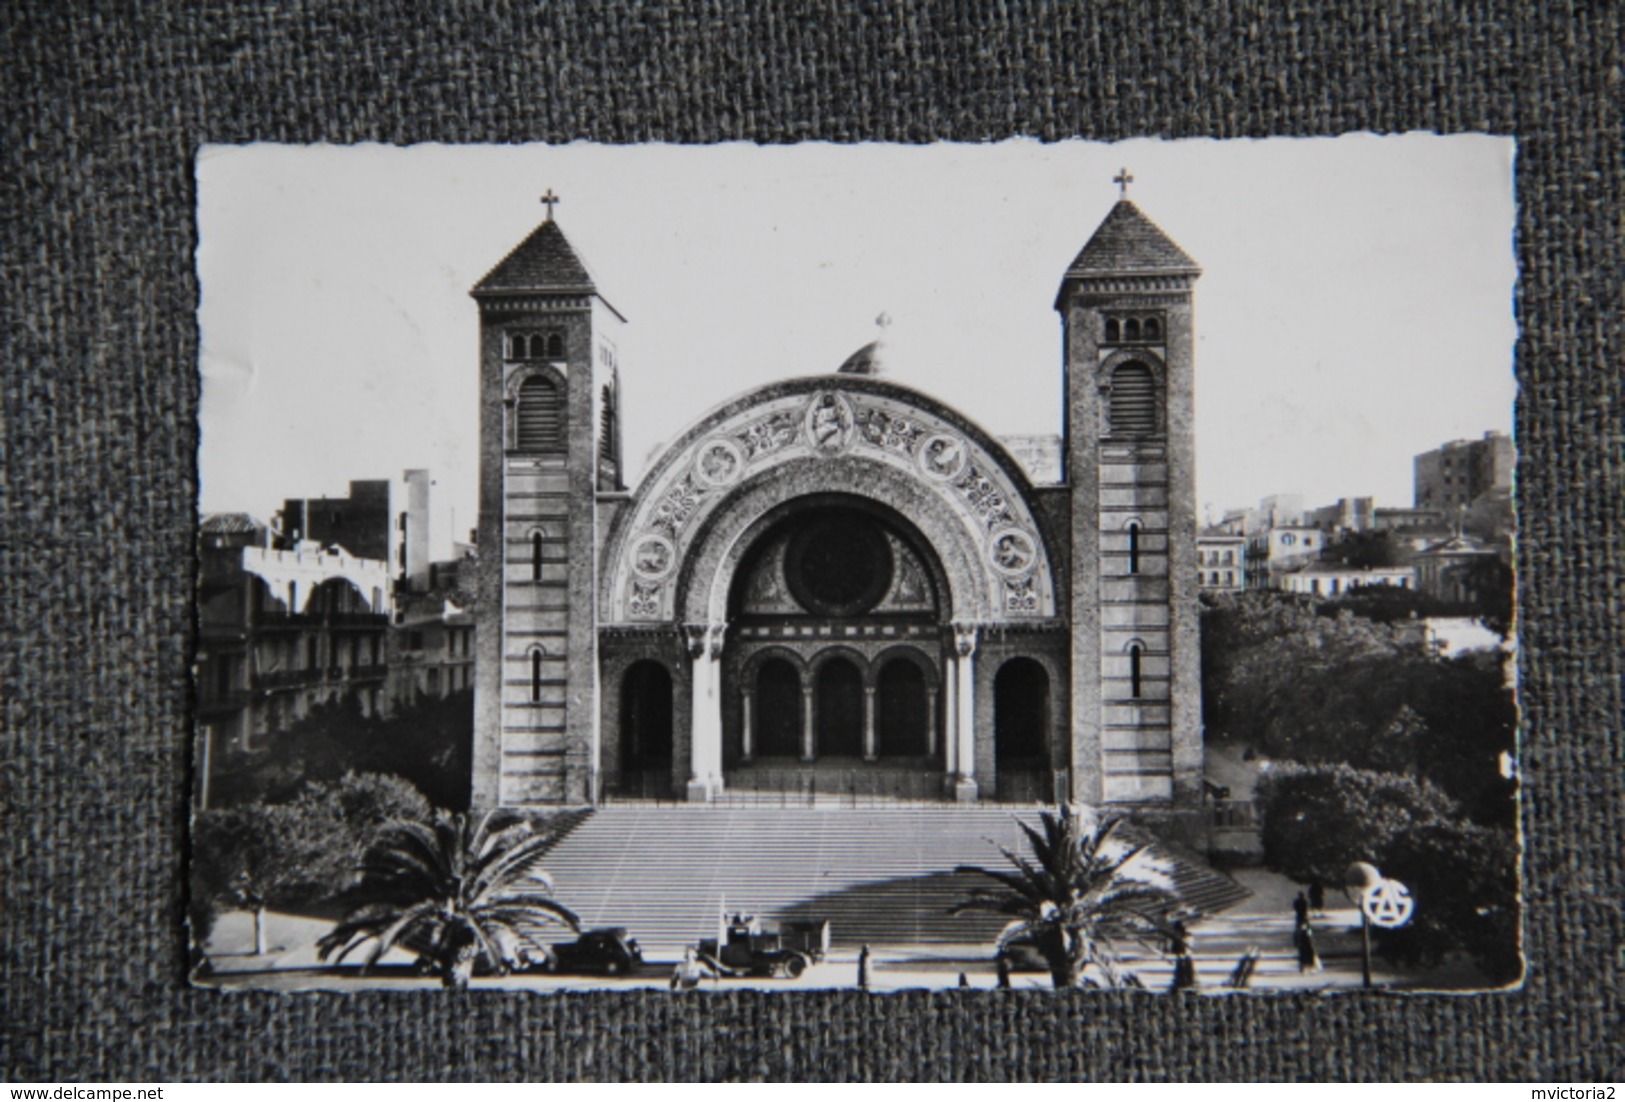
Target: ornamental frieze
825, 424
887, 431
769, 434
676, 507
985, 498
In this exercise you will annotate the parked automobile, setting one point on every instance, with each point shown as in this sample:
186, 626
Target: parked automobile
609, 951
1021, 955
747, 949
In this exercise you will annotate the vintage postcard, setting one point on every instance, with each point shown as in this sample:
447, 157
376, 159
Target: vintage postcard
880, 567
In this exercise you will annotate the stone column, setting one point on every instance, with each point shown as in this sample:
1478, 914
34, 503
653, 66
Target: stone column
933, 694
747, 736
869, 748
705, 726
809, 749
964, 769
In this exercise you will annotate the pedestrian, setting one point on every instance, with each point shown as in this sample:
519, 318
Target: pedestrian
1300, 908
687, 975
863, 968
1308, 957
1179, 947
964, 980
1317, 896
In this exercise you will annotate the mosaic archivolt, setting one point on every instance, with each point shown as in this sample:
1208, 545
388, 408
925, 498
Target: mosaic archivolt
826, 423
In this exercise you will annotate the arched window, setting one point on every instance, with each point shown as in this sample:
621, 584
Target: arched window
1133, 548
555, 346
536, 676
535, 556
606, 426
1114, 331
1131, 329
1153, 329
902, 711
1133, 401
1134, 671
540, 423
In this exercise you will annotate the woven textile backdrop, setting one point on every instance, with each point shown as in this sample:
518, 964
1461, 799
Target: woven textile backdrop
104, 111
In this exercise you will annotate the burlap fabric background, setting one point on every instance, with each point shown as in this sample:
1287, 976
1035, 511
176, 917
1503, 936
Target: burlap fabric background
104, 109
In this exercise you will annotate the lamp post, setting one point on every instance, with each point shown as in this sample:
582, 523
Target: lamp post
1382, 902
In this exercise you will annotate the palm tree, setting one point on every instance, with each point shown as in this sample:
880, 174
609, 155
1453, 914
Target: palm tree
456, 891
1076, 896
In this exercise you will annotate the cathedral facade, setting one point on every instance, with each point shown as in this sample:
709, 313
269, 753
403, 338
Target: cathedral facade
838, 583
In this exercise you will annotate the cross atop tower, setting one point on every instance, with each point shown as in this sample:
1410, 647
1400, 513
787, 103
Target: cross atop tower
1122, 180
548, 201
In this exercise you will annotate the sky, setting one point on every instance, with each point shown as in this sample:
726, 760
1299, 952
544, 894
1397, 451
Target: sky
1355, 306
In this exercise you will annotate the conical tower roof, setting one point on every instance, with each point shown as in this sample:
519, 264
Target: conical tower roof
544, 261
1129, 243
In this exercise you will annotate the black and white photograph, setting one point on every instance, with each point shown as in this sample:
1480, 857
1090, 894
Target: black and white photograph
1012, 566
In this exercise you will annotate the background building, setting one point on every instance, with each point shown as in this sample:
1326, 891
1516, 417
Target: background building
286, 624
1274, 549
280, 631
1451, 477
1222, 560
1324, 579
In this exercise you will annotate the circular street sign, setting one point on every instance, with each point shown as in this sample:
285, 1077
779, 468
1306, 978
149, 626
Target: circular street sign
1388, 904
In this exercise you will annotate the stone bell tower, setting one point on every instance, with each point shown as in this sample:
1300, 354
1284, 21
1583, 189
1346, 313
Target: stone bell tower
1129, 450
549, 441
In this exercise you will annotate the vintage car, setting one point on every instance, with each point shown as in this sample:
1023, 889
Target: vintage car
747, 949
609, 951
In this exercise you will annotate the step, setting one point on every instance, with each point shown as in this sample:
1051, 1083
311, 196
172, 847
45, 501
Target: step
882, 876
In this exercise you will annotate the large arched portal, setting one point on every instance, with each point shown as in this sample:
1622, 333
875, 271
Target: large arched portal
818, 519
834, 653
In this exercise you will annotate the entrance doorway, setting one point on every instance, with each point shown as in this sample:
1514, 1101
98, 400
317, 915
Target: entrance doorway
839, 709
1020, 730
646, 728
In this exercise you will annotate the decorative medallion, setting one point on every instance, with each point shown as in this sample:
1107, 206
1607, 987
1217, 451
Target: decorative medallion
943, 456
653, 557
829, 423
644, 603
1011, 552
720, 463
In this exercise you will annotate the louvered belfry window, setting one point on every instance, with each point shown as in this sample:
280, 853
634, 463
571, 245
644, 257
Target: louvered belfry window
541, 416
1134, 401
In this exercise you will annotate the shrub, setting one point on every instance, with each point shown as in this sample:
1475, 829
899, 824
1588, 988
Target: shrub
294, 853
1318, 819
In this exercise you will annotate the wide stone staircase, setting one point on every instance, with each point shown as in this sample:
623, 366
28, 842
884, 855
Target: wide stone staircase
880, 876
